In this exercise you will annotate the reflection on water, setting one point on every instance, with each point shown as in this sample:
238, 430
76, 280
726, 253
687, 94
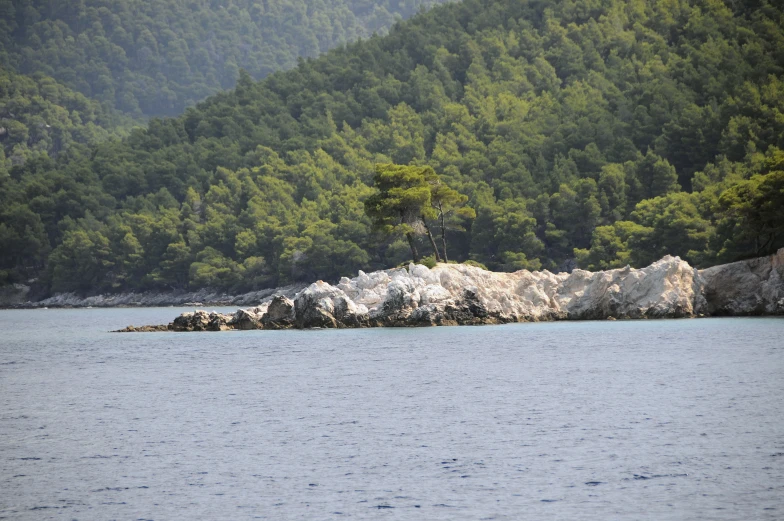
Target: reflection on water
593, 420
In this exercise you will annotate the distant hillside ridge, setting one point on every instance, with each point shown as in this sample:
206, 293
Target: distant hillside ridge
154, 58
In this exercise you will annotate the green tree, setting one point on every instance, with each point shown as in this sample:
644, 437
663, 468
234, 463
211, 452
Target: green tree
615, 246
450, 207
757, 208
81, 262
401, 201
214, 270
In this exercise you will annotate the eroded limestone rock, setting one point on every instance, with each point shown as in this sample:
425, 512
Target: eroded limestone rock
248, 319
324, 305
142, 329
280, 313
201, 321
668, 288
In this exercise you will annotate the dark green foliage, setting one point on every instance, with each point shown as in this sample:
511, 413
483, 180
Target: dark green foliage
756, 207
40, 116
156, 57
407, 201
450, 209
430, 261
604, 132
401, 204
475, 264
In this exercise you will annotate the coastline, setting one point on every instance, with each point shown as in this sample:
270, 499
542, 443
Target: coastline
451, 294
454, 294
203, 297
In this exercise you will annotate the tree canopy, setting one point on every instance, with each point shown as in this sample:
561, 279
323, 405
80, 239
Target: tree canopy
157, 57
596, 133
407, 199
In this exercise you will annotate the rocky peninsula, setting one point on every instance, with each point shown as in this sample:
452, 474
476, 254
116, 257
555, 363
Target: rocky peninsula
457, 294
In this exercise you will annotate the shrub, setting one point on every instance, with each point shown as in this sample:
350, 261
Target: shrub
475, 264
429, 261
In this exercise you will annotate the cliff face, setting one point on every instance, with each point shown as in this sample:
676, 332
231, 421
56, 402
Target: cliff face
452, 294
750, 287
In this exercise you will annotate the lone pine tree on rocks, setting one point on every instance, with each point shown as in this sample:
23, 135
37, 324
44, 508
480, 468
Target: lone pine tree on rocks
407, 198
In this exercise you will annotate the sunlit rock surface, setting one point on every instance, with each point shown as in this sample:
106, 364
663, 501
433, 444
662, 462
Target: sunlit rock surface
456, 294
460, 294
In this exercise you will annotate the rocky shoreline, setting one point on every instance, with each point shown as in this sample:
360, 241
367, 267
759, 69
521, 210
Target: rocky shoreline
457, 294
17, 298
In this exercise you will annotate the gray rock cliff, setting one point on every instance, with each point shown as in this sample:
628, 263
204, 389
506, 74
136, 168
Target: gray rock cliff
749, 287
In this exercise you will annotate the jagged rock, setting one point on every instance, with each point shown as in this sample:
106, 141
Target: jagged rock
749, 287
280, 314
247, 319
143, 329
468, 310
468, 295
219, 322
201, 321
188, 321
323, 305
668, 288
452, 294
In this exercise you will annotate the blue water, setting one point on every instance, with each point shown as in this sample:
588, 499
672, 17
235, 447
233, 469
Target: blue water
678, 419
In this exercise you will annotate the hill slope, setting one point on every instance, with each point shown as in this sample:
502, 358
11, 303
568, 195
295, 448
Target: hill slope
40, 116
612, 132
157, 57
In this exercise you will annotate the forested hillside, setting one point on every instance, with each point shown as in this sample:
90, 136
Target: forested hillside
604, 132
40, 116
156, 57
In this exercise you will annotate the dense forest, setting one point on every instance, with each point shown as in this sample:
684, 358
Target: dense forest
156, 57
39, 115
587, 132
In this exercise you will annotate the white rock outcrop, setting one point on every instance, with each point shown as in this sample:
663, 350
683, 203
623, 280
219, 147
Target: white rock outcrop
451, 294
455, 293
323, 305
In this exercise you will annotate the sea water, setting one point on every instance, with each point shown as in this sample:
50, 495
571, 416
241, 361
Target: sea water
669, 419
